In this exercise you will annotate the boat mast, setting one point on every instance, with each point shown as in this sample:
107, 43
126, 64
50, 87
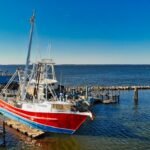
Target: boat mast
23, 94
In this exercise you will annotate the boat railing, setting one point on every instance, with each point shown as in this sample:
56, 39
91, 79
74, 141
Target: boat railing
9, 93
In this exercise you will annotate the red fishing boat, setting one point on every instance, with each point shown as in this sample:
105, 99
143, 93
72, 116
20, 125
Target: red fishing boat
35, 102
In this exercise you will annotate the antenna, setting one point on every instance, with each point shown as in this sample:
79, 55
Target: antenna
49, 48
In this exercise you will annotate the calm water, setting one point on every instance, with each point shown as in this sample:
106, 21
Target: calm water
116, 127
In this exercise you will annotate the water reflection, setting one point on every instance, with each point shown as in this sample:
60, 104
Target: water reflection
16, 140
58, 142
46, 142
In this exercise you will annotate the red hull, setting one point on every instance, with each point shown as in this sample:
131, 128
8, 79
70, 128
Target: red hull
64, 121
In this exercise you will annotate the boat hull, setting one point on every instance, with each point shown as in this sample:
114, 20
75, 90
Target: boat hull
48, 122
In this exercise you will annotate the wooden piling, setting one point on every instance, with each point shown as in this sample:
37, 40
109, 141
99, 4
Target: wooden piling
4, 133
136, 94
98, 88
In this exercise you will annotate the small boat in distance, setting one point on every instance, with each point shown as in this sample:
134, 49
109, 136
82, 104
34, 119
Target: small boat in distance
35, 101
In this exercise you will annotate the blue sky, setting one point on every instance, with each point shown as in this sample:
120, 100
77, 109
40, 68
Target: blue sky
79, 31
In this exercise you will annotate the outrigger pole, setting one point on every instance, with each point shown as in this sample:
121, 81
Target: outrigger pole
23, 92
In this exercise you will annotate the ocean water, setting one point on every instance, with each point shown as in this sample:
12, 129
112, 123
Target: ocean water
104, 74
122, 126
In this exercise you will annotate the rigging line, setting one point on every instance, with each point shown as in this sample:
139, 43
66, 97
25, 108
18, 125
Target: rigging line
46, 82
10, 81
60, 89
52, 91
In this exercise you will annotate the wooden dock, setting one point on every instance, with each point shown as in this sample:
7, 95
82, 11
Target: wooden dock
24, 129
95, 88
104, 94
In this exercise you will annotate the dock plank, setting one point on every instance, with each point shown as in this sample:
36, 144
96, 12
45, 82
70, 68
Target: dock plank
24, 129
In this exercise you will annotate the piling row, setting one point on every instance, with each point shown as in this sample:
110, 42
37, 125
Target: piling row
97, 88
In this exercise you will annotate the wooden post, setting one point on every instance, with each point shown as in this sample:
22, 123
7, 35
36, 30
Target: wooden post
4, 132
136, 95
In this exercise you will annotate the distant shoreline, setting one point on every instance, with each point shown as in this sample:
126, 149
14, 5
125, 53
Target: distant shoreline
83, 64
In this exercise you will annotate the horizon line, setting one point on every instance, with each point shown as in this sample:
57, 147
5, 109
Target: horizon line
79, 64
